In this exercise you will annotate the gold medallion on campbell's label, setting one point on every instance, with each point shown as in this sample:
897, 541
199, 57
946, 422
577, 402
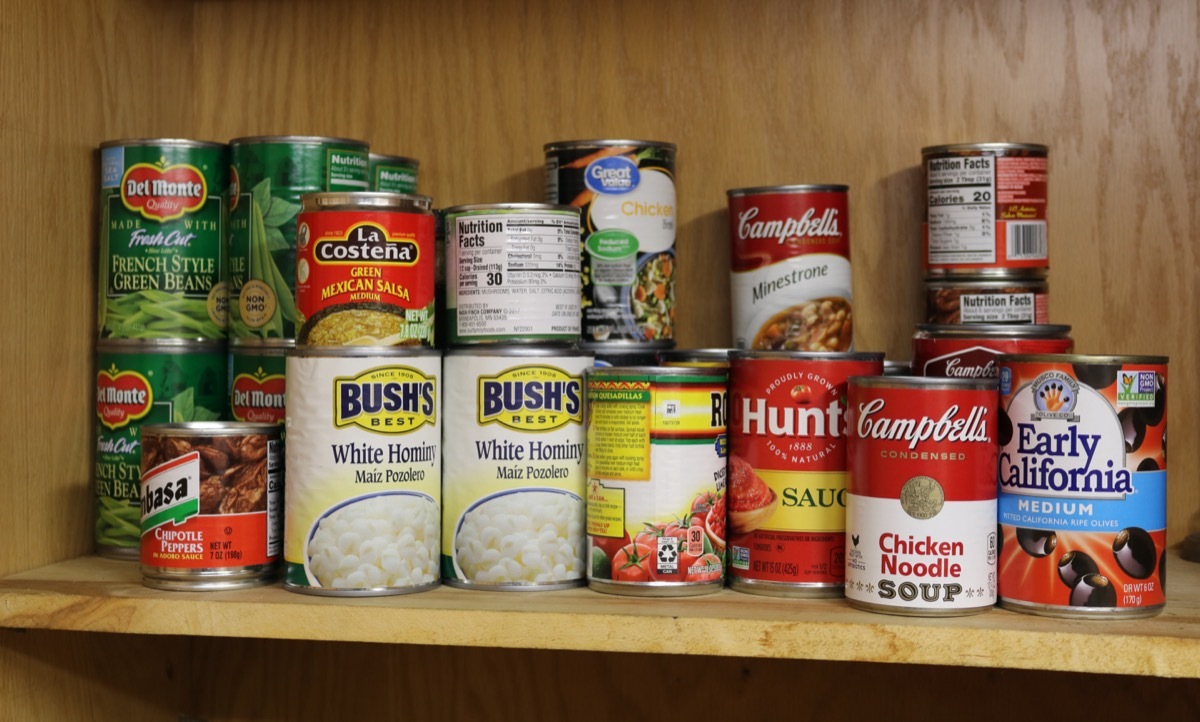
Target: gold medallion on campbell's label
790, 264
921, 496
787, 467
970, 351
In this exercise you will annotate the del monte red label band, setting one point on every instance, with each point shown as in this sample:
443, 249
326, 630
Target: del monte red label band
163, 194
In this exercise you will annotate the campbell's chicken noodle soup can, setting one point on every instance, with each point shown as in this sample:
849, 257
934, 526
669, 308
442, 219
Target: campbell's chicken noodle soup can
625, 192
786, 515
971, 351
212, 505
790, 268
987, 300
1083, 485
365, 270
986, 209
921, 496
258, 380
656, 492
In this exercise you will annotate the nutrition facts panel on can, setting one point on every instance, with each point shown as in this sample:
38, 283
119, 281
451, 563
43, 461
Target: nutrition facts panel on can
962, 218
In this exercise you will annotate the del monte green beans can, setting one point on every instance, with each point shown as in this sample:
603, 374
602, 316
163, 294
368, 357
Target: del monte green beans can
393, 173
162, 228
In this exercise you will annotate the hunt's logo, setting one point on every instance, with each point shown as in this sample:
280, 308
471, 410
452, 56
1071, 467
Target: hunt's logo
122, 397
531, 398
258, 397
163, 192
386, 400
366, 242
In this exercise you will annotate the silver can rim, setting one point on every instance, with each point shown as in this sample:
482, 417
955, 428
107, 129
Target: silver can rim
384, 158
999, 147
928, 383
366, 200
795, 189
1079, 358
546, 207
607, 143
315, 140
211, 428
171, 142
750, 354
993, 330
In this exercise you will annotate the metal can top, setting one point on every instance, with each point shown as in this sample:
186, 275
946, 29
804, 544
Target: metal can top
698, 371
932, 383
363, 352
1076, 358
745, 354
678, 355
261, 345
988, 282
177, 142
506, 350
297, 140
985, 148
373, 200
511, 207
620, 346
398, 159
992, 330
805, 188
158, 345
210, 428
895, 367
571, 144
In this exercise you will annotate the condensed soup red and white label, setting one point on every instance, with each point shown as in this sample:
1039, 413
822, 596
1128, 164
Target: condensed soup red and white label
921, 508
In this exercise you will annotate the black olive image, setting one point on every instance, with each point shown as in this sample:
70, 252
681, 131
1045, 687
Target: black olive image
1162, 571
1094, 590
999, 540
1135, 553
1148, 465
1133, 428
1153, 416
1098, 376
1164, 445
1004, 428
1037, 542
1074, 566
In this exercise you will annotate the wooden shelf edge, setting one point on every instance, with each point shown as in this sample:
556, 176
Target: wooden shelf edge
90, 594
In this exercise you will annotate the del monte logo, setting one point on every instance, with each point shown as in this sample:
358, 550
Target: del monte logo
122, 397
163, 192
259, 397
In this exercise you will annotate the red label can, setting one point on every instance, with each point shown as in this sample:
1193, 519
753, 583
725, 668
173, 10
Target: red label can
921, 496
365, 270
790, 264
970, 351
786, 509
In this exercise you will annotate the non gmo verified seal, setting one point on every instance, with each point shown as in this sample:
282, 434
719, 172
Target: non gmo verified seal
614, 174
1136, 388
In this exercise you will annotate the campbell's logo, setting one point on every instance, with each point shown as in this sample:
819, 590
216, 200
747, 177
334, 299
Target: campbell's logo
783, 230
531, 398
976, 362
122, 397
366, 242
387, 400
259, 397
614, 174
956, 425
163, 192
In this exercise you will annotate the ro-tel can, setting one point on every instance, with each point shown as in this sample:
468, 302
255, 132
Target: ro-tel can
365, 270
258, 379
656, 450
162, 230
513, 476
514, 273
626, 353
268, 176
139, 383
921, 496
625, 190
392, 173
987, 300
969, 351
986, 209
790, 268
787, 467
362, 516
697, 357
212, 505
1083, 485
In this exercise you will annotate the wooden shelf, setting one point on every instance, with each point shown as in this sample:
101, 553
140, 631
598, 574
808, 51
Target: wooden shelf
100, 595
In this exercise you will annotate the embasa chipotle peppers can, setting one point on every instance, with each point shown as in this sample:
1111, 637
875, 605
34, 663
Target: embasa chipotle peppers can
970, 351
625, 190
790, 263
1083, 485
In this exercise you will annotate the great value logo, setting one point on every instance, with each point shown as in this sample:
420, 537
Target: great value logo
162, 192
386, 400
614, 174
122, 397
531, 398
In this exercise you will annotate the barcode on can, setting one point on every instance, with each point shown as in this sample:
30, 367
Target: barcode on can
1026, 240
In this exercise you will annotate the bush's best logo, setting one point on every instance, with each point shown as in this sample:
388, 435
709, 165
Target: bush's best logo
614, 174
531, 398
259, 397
163, 192
122, 397
387, 400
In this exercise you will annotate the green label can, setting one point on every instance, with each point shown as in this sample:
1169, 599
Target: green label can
162, 225
393, 173
257, 380
267, 177
139, 383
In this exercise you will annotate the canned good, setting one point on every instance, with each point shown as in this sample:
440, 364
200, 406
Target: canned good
790, 268
365, 270
392, 173
513, 488
625, 190
140, 383
656, 450
921, 496
895, 367
697, 357
624, 353
516, 273
787, 466
1083, 485
268, 175
258, 380
162, 226
212, 495
987, 300
364, 471
969, 351
986, 209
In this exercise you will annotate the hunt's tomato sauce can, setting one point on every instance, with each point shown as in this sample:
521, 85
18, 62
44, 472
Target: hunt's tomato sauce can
787, 465
921, 496
1083, 485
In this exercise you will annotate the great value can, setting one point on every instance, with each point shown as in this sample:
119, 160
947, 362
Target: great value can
258, 380
921, 496
364, 471
268, 175
970, 351
514, 273
987, 300
1083, 485
140, 383
514, 475
656, 451
986, 209
162, 235
212, 505
787, 470
365, 270
790, 268
625, 190
392, 173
